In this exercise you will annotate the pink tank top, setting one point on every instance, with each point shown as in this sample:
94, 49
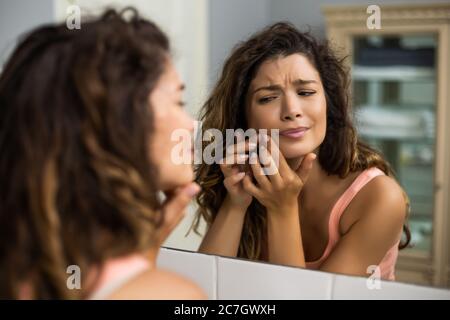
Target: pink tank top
387, 264
117, 272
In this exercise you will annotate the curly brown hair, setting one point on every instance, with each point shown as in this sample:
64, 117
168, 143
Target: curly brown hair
341, 151
75, 125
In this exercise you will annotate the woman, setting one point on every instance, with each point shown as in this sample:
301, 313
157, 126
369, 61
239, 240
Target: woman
85, 136
342, 212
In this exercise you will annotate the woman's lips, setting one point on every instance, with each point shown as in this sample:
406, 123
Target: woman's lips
294, 133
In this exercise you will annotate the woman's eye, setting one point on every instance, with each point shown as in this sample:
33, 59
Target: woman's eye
266, 100
306, 93
181, 103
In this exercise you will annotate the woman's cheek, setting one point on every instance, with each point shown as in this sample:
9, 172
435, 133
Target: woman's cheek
323, 126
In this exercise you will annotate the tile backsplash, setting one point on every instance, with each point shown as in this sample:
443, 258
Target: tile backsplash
354, 288
240, 279
200, 268
226, 278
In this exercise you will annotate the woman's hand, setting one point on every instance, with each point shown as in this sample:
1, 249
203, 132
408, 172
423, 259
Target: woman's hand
280, 189
235, 155
174, 208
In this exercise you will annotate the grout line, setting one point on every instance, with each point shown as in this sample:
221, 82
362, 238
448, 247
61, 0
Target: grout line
331, 290
216, 279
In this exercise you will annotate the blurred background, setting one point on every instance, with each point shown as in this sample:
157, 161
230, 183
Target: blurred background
400, 86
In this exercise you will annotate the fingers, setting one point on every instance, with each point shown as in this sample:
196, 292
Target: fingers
258, 171
236, 154
230, 161
233, 179
277, 156
305, 167
241, 147
271, 169
250, 188
176, 203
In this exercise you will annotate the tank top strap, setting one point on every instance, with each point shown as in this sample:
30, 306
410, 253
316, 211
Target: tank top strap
117, 272
338, 209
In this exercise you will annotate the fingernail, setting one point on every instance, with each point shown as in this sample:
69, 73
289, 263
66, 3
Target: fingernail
192, 190
314, 156
241, 175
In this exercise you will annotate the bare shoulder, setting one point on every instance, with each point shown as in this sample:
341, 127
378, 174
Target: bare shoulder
382, 200
385, 192
159, 284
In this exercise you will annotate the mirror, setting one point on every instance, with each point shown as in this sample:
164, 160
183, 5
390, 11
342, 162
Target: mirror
398, 75
395, 84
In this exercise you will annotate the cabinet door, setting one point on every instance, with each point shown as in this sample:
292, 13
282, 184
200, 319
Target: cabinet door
394, 96
401, 78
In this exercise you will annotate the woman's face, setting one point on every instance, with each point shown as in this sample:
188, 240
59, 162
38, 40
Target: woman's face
169, 115
287, 94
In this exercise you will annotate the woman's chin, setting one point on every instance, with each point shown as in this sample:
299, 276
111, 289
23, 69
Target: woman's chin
290, 152
177, 178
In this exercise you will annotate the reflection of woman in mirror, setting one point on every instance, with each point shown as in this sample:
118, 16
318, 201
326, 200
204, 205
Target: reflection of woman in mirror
342, 212
83, 115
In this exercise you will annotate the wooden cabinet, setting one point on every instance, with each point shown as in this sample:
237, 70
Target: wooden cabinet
401, 100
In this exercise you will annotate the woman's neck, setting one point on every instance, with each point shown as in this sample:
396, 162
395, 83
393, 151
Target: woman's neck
294, 163
316, 176
317, 179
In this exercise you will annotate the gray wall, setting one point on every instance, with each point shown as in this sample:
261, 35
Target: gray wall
234, 20
19, 16
308, 12
230, 22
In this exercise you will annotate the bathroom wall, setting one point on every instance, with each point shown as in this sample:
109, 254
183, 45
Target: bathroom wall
17, 17
225, 278
185, 23
255, 14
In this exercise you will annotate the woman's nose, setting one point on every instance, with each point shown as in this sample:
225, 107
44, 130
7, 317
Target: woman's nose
291, 116
291, 109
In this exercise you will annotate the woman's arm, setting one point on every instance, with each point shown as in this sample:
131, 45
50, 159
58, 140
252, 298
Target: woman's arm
224, 235
284, 237
279, 192
381, 209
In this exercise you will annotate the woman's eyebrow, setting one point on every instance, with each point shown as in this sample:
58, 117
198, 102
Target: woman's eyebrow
276, 87
301, 81
182, 87
273, 87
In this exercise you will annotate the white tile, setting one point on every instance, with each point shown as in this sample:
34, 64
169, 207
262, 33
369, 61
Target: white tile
240, 279
200, 268
346, 287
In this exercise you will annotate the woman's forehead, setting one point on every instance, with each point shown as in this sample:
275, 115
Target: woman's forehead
282, 68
